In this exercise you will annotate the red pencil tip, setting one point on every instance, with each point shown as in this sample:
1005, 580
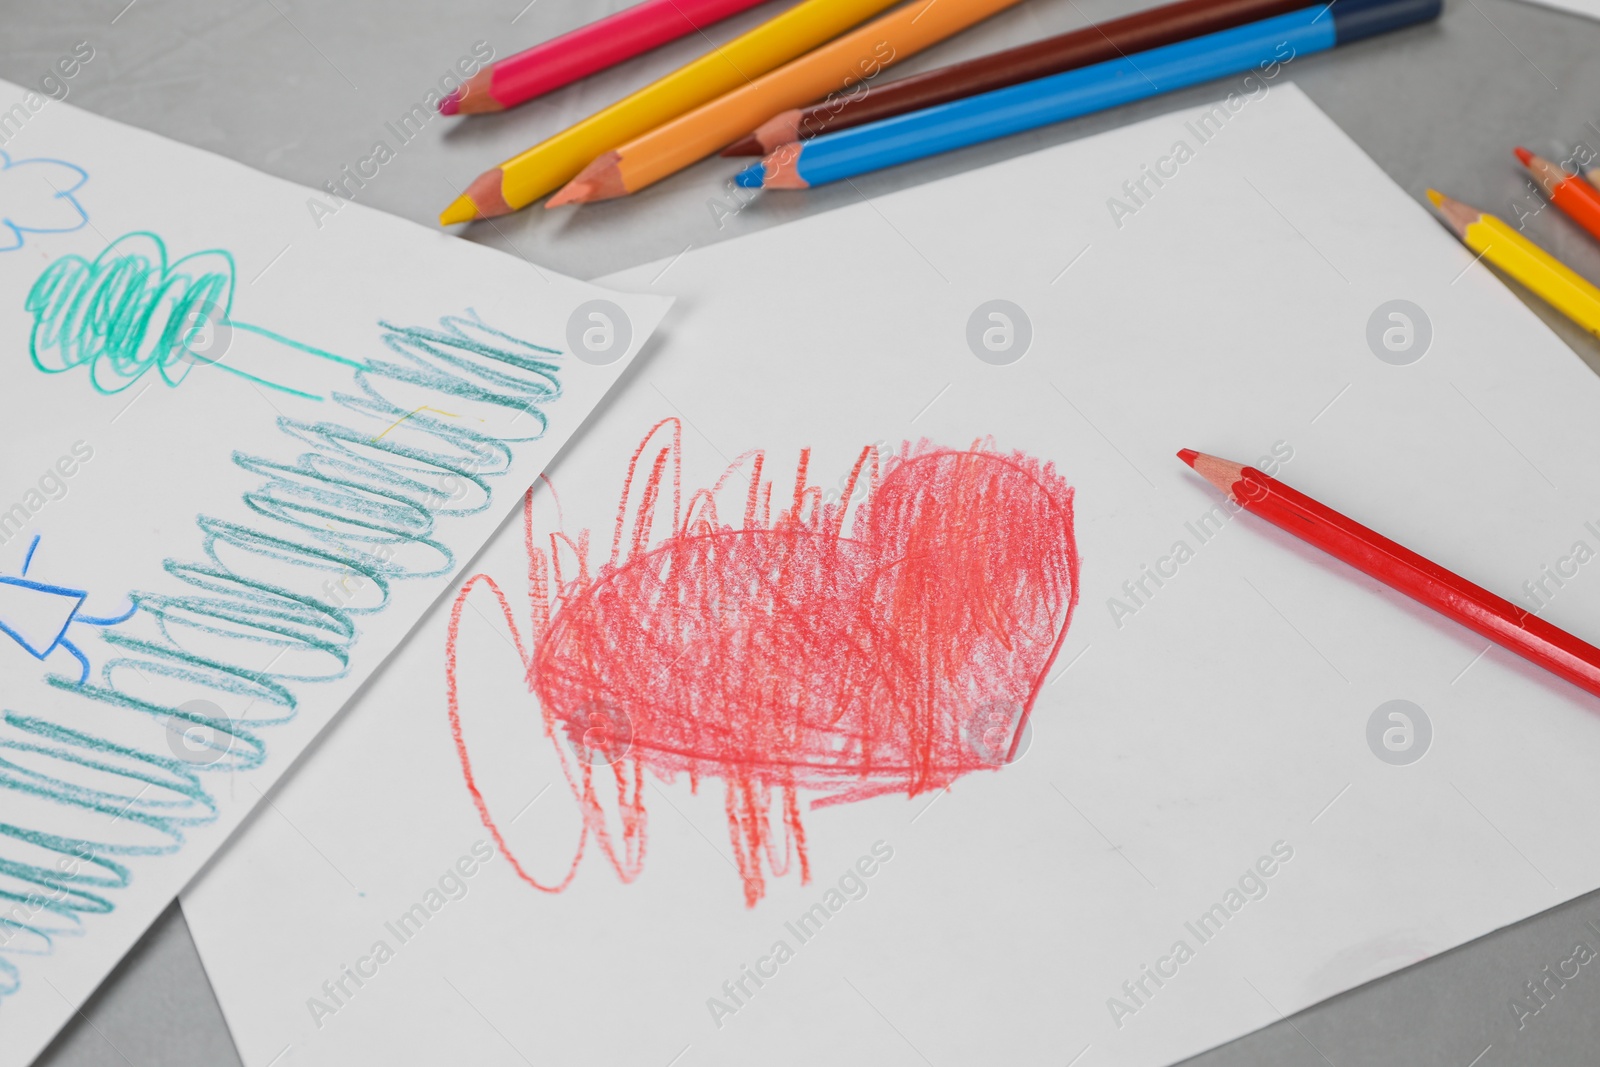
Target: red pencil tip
451, 104
1188, 455
1523, 155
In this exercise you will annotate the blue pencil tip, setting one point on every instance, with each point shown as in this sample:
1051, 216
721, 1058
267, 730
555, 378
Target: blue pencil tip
752, 177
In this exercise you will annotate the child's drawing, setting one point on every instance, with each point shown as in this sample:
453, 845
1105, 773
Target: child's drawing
36, 196
130, 310
811, 648
39, 616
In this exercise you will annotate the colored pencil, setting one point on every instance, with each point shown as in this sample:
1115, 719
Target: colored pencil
1263, 45
838, 64
562, 60
1573, 195
520, 181
1500, 244
1037, 59
1398, 567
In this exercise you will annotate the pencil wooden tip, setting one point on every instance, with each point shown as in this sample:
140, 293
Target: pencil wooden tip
482, 200
781, 169
1457, 216
779, 130
1524, 156
574, 192
1546, 173
600, 180
473, 98
748, 145
1221, 473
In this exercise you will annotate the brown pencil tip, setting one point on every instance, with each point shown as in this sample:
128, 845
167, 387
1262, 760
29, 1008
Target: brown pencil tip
780, 129
748, 145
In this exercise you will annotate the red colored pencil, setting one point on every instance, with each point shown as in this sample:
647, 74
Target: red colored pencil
1398, 567
1576, 197
578, 54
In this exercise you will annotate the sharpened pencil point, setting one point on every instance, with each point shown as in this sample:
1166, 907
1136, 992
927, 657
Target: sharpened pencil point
482, 200
461, 209
752, 177
574, 192
600, 180
1524, 156
1221, 473
1458, 216
451, 104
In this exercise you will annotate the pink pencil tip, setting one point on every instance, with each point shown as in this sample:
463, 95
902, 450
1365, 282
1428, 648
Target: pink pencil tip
1523, 155
451, 104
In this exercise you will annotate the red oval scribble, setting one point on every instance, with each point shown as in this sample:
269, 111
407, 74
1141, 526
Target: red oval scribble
787, 653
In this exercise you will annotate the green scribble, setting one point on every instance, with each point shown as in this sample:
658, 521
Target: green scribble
129, 311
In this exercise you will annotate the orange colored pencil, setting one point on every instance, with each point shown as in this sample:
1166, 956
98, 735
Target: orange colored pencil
1579, 200
841, 63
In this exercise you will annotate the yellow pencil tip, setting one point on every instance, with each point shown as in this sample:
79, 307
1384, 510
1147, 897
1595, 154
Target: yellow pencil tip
1435, 197
462, 209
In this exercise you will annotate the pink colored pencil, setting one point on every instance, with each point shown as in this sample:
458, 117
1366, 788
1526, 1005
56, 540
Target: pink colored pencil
582, 52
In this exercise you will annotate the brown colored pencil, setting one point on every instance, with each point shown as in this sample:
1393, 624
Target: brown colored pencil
1068, 51
689, 138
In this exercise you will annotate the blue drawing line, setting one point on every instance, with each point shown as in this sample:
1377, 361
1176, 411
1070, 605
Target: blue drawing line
39, 592
39, 198
339, 507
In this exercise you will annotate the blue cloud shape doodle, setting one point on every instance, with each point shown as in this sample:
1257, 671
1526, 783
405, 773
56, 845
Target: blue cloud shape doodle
36, 196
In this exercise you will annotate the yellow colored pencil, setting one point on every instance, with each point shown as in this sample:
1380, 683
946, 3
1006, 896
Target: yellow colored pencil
1553, 281
838, 65
520, 181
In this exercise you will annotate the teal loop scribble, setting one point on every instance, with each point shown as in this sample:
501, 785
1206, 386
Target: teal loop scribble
130, 311
353, 502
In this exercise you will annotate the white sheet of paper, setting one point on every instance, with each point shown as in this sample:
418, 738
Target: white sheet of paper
1197, 769
279, 432
1589, 8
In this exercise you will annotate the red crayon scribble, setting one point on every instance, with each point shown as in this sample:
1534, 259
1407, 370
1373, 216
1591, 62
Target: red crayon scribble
846, 652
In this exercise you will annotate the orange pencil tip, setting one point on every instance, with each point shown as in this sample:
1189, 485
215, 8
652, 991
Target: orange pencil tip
1523, 155
574, 192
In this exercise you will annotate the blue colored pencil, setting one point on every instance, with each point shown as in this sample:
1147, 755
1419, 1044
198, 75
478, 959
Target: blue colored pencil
1265, 44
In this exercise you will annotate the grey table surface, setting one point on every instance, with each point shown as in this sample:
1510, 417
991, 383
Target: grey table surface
302, 89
